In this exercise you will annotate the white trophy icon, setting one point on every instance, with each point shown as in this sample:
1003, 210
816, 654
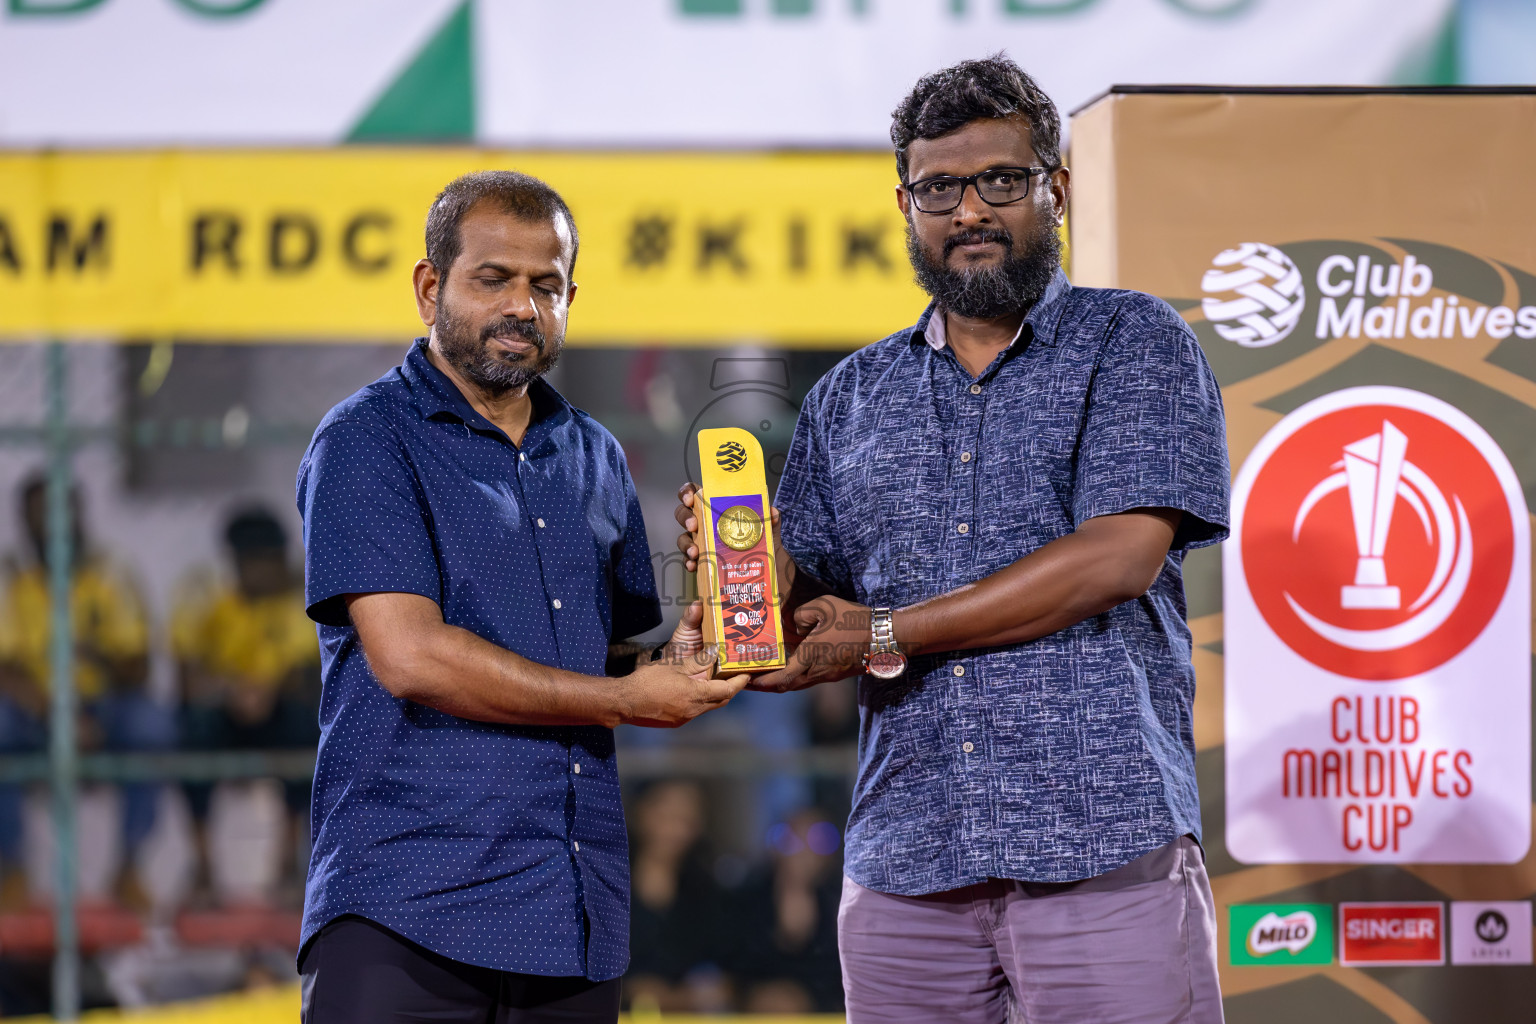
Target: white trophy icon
1373, 467
1376, 472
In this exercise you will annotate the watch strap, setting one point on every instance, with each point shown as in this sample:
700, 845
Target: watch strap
882, 636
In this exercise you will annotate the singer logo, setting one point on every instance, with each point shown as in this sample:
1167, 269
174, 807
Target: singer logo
1400, 934
1377, 539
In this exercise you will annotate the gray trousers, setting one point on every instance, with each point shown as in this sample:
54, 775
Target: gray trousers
1136, 945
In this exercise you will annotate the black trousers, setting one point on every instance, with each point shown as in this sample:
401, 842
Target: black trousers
359, 972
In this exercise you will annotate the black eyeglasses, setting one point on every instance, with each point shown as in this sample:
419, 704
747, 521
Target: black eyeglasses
997, 186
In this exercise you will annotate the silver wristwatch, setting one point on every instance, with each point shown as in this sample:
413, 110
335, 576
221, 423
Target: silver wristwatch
884, 660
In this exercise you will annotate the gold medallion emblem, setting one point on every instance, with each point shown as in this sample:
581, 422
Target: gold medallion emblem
740, 527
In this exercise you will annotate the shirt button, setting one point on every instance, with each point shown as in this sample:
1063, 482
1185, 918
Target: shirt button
576, 768
522, 456
967, 746
556, 602
575, 846
541, 524
975, 389
959, 670
963, 528
965, 456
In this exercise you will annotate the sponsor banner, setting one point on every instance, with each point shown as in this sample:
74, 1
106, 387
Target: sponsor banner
1391, 934
1280, 934
1491, 934
1376, 348
669, 72
798, 249
1379, 564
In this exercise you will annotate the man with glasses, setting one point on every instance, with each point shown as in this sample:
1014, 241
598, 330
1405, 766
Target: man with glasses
988, 513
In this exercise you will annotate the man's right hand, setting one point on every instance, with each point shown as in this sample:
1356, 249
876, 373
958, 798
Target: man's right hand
672, 692
687, 495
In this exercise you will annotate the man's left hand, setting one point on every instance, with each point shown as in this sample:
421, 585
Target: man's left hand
834, 637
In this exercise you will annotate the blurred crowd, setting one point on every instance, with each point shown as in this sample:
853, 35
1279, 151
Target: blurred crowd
707, 940
735, 884
247, 678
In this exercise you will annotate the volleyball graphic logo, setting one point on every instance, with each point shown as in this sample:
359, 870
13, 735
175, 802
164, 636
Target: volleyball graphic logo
1253, 295
731, 456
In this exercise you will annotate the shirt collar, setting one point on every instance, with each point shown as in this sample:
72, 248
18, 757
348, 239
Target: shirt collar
436, 395
1041, 318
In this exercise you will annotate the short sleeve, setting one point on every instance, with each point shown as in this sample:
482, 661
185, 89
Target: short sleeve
807, 517
1154, 435
367, 527
636, 607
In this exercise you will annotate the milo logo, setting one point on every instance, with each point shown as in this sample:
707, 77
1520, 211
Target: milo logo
1272, 933
1297, 933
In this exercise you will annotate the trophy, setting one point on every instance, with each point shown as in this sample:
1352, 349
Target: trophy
1373, 468
737, 579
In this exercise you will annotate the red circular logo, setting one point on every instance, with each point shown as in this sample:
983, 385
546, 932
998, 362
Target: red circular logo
1376, 538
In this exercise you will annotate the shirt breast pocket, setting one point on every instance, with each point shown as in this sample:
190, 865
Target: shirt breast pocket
1023, 487
888, 495
605, 526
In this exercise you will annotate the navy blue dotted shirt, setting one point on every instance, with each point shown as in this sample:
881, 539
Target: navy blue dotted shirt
1066, 756
502, 846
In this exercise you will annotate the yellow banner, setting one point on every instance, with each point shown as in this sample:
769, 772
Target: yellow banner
798, 249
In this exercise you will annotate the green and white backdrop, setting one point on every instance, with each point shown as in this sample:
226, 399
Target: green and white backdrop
649, 73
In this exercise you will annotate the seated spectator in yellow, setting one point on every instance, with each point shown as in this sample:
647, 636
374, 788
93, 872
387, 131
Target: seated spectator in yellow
111, 668
250, 666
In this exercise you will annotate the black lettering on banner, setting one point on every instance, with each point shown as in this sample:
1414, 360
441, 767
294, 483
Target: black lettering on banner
863, 245
650, 242
376, 259
721, 243
64, 247
216, 235
799, 256
282, 257
9, 259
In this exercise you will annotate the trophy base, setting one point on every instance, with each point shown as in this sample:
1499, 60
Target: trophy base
1371, 597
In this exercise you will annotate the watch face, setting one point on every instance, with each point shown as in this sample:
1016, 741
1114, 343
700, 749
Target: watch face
885, 665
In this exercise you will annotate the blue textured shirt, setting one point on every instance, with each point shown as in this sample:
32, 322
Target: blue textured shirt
502, 846
1066, 756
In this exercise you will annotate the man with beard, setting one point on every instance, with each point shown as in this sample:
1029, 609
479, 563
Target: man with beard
987, 515
474, 545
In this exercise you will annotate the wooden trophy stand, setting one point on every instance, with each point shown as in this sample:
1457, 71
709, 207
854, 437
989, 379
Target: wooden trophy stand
737, 576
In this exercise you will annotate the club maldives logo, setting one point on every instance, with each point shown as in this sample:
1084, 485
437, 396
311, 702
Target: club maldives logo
1377, 535
1280, 934
1255, 295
